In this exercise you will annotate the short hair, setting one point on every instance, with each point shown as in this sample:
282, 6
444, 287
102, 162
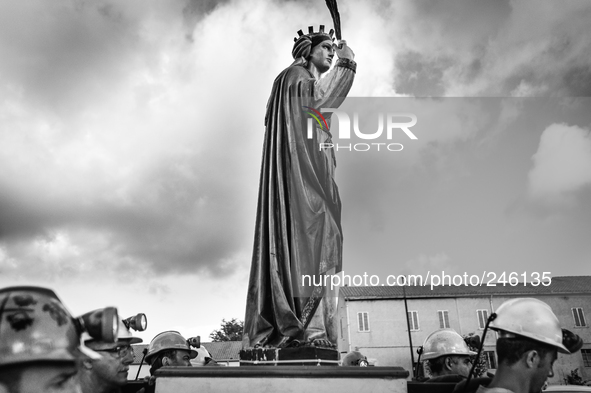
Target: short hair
157, 363
436, 365
510, 350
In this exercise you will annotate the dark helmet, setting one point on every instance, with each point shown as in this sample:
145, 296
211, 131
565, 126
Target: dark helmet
35, 326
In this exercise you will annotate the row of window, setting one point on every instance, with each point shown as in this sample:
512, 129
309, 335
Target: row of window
491, 361
586, 357
481, 315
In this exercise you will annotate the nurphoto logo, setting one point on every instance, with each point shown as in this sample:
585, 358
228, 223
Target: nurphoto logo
395, 126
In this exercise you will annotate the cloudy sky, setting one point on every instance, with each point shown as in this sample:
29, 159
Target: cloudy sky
131, 136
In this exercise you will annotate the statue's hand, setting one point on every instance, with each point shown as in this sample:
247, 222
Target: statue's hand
343, 51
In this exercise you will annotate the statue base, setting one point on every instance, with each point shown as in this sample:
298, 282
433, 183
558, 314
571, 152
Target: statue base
299, 356
287, 379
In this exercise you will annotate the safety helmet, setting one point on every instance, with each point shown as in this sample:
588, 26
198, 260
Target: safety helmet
125, 337
168, 340
202, 355
444, 342
531, 318
355, 358
35, 326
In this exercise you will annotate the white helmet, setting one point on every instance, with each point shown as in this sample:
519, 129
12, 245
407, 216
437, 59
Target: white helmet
531, 318
444, 342
355, 358
201, 358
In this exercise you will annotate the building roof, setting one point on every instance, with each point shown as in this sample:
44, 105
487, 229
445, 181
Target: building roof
138, 351
220, 351
225, 350
567, 285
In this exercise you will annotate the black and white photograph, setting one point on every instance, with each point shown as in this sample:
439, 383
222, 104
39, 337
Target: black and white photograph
282, 190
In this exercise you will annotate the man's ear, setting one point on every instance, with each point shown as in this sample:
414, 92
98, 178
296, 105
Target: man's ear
447, 362
165, 361
532, 358
86, 364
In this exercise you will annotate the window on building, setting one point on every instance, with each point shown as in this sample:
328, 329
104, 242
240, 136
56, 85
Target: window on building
413, 319
578, 316
491, 360
443, 319
586, 357
482, 317
363, 321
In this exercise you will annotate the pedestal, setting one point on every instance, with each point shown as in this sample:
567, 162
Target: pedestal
285, 379
300, 356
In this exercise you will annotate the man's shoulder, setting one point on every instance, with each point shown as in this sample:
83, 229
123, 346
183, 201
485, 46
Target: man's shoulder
446, 378
483, 389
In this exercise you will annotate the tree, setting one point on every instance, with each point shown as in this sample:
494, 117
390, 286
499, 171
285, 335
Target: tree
473, 342
229, 331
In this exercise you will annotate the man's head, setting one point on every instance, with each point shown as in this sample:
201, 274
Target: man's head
447, 353
450, 365
529, 339
169, 349
532, 359
171, 358
111, 370
39, 343
354, 358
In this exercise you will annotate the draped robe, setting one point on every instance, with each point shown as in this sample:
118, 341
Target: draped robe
298, 222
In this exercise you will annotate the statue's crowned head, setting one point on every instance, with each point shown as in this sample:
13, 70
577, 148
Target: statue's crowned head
304, 43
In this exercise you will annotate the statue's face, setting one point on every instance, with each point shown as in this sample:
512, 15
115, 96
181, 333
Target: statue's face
321, 55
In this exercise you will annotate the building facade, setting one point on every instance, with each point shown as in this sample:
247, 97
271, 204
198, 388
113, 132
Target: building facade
373, 320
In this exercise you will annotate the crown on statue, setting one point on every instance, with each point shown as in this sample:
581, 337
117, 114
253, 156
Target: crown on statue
313, 34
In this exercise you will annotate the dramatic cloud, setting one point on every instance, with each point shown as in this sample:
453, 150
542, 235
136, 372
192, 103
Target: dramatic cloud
124, 143
562, 164
500, 48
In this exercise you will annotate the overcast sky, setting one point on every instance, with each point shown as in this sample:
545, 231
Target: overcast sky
131, 138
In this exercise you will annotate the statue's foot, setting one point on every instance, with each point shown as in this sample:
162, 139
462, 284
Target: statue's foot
322, 342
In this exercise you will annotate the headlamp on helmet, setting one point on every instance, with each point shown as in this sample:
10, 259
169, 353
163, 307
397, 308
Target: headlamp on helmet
355, 359
101, 324
138, 322
194, 342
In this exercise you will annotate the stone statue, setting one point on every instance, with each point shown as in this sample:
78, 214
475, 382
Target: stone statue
298, 223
